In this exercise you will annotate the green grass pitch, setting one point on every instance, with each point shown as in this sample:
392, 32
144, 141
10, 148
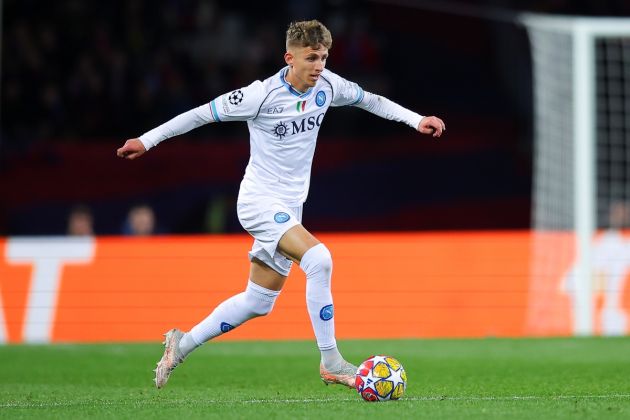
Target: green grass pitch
449, 379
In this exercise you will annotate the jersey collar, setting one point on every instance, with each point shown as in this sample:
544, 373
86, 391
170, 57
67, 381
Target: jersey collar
291, 89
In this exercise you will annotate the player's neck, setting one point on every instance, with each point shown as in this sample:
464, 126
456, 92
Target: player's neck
295, 81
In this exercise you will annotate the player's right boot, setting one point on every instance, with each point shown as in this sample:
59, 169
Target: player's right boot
343, 376
171, 359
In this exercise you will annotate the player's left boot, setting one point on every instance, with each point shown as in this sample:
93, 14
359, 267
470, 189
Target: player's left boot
171, 359
343, 376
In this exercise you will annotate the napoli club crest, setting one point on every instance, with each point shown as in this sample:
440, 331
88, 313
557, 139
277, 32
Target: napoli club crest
326, 313
281, 217
320, 99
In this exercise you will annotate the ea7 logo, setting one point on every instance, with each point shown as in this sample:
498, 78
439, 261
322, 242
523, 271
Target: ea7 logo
275, 110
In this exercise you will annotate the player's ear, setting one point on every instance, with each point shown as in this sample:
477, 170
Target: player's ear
288, 58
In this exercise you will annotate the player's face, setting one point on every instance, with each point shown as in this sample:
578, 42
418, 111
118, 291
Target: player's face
305, 66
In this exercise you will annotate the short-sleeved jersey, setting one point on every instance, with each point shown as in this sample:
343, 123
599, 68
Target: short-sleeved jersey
283, 125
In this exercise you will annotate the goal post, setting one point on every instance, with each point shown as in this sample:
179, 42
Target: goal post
581, 81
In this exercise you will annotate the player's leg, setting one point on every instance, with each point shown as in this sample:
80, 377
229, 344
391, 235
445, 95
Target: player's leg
265, 276
257, 300
268, 272
316, 262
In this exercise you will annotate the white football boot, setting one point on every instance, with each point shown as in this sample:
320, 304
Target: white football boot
343, 376
171, 359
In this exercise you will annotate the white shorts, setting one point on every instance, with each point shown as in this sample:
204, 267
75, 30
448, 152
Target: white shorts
267, 220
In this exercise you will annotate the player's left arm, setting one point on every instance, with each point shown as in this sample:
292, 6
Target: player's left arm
346, 92
385, 108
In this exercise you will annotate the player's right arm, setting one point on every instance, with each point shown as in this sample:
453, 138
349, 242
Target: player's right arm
133, 148
239, 105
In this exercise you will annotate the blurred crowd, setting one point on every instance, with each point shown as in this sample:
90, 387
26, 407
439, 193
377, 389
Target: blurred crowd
140, 221
87, 73
93, 69
77, 69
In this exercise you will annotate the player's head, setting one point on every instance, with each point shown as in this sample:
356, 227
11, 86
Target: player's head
308, 33
307, 44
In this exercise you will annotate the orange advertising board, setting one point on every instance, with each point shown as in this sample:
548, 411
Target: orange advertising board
389, 285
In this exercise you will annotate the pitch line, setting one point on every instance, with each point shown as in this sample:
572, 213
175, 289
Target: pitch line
150, 402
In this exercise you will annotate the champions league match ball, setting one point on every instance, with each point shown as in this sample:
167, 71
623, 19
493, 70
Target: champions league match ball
381, 378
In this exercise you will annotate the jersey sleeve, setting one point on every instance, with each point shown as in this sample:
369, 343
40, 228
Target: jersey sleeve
384, 108
181, 124
345, 92
239, 105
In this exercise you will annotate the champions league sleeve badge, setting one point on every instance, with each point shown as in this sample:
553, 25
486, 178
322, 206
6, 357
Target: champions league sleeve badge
236, 97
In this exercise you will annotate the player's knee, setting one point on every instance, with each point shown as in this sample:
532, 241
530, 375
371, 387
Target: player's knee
260, 300
317, 260
261, 308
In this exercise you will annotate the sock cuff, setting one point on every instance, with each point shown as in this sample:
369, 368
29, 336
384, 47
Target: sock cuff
332, 345
261, 293
313, 255
189, 336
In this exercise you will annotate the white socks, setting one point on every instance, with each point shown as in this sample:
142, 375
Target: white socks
332, 359
253, 302
317, 264
257, 301
187, 344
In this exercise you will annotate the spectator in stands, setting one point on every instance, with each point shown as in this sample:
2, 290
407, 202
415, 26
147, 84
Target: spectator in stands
140, 221
80, 221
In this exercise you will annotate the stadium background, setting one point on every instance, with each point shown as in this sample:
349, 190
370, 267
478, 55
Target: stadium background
79, 78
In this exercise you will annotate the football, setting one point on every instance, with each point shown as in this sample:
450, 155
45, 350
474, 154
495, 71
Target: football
381, 378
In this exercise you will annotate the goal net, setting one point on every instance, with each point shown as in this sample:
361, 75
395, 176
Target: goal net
581, 186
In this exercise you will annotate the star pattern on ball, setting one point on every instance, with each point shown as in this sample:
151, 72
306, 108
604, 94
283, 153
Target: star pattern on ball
381, 378
396, 378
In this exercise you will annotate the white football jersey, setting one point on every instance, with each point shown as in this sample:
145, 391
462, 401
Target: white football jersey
283, 125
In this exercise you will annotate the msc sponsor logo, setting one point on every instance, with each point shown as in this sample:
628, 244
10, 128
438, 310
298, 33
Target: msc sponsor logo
283, 129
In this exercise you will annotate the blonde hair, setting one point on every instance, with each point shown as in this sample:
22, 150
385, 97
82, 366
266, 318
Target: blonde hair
308, 33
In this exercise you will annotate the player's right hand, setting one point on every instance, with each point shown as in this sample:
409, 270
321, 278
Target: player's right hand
132, 149
432, 125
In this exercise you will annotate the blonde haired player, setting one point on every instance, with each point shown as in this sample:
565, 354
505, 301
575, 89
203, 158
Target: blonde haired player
283, 113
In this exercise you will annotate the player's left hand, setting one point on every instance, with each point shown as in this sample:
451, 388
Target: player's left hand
432, 125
